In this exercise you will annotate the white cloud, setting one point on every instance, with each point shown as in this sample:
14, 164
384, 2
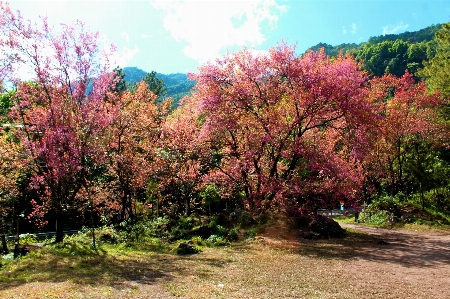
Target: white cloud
126, 55
393, 29
209, 27
124, 35
354, 29
117, 57
144, 36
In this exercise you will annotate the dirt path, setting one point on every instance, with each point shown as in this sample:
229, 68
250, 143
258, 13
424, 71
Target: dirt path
404, 264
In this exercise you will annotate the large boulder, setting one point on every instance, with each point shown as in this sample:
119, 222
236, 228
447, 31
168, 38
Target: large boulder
326, 227
186, 248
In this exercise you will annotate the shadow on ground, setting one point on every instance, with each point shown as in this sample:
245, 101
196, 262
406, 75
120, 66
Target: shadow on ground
101, 269
406, 248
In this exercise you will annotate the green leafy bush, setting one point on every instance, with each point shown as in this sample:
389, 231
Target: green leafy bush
196, 240
252, 232
215, 240
377, 218
184, 227
142, 230
27, 239
233, 234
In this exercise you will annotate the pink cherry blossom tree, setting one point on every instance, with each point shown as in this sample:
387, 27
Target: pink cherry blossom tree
290, 129
62, 109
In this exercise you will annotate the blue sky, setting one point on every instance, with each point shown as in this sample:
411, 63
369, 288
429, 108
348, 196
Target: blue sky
178, 35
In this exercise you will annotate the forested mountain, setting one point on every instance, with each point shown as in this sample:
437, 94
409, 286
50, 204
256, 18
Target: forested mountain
178, 85
392, 53
422, 35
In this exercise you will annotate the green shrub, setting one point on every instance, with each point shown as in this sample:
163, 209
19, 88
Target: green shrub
385, 203
196, 240
377, 218
184, 227
216, 228
135, 232
252, 232
27, 239
215, 240
159, 227
233, 234
142, 230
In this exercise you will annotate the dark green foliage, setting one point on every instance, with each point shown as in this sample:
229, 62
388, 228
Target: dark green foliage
424, 168
244, 218
216, 240
233, 234
386, 203
183, 227
432, 207
155, 84
217, 228
6, 102
252, 232
144, 229
121, 84
438, 203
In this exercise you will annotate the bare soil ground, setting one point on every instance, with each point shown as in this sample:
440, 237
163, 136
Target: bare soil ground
275, 264
411, 265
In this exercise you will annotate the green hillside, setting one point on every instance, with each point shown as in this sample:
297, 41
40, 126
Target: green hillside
178, 85
391, 53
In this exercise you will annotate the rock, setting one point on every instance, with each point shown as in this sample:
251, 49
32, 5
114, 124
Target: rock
21, 250
326, 227
185, 248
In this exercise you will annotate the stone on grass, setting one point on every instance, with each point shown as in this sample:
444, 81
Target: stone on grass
185, 248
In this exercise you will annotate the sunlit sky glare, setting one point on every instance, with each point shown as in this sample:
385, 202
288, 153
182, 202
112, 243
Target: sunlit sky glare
178, 35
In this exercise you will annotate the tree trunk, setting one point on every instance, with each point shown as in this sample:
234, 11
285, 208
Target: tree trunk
59, 226
93, 231
187, 206
3, 236
422, 197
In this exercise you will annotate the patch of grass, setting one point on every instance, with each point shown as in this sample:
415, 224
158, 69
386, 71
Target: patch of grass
344, 219
79, 264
